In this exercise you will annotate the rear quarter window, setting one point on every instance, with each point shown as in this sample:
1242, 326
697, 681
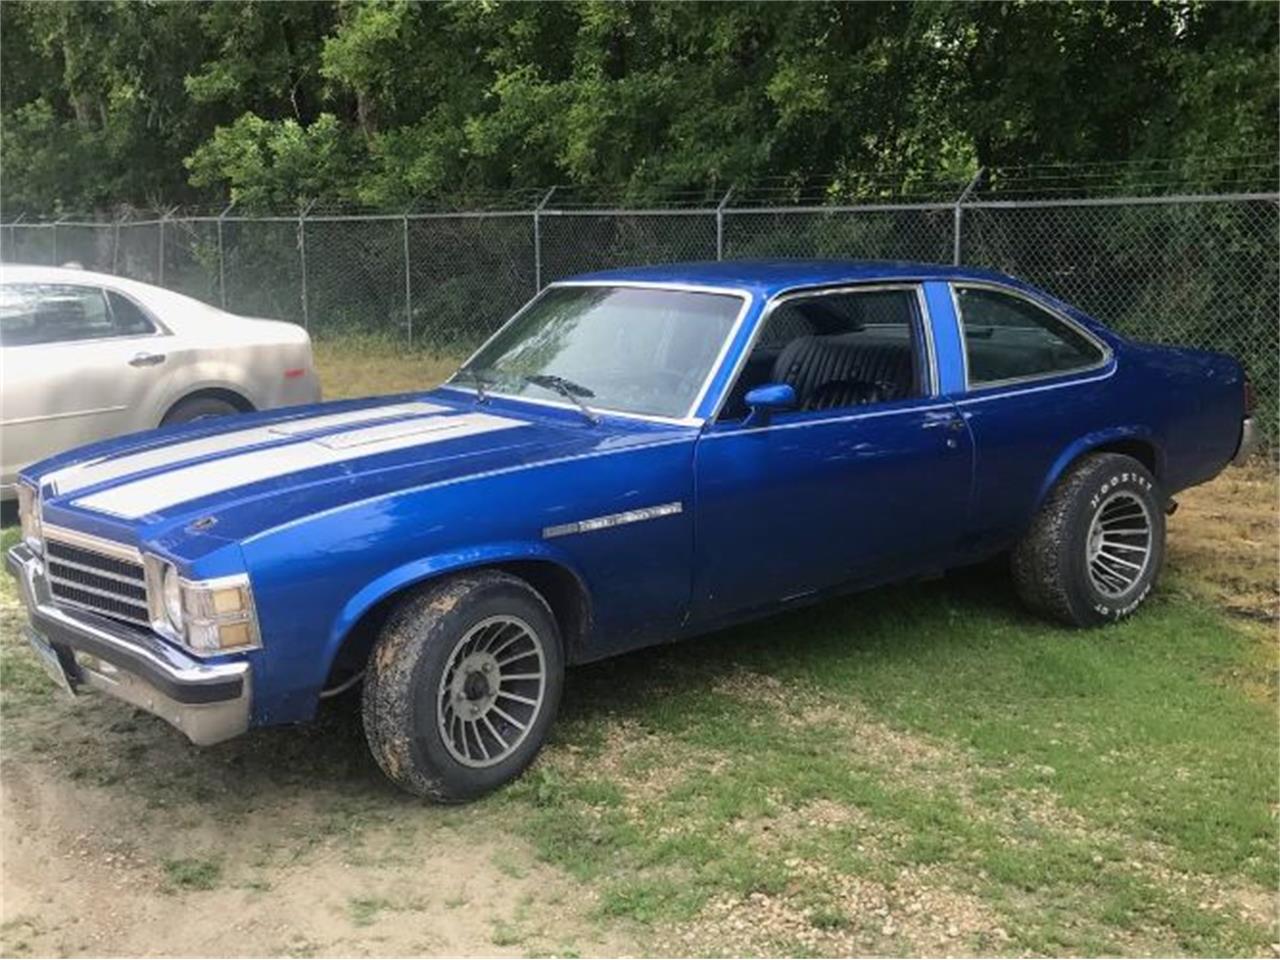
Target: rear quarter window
1007, 337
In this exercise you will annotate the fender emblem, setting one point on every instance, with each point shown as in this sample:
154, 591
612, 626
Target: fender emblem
613, 520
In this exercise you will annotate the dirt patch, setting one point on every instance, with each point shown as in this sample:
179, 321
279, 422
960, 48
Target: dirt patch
287, 842
82, 877
643, 766
918, 914
1228, 532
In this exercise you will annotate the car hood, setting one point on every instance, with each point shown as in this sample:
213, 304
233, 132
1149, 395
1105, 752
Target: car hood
233, 478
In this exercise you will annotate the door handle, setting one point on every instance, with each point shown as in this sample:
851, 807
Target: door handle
145, 359
950, 421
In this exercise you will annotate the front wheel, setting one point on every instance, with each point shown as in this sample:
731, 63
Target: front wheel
462, 686
1095, 549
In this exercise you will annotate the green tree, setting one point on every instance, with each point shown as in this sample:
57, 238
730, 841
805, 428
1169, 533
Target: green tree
384, 102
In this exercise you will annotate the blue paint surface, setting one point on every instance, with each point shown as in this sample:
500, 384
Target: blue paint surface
808, 503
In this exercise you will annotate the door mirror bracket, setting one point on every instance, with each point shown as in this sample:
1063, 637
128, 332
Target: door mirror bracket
766, 401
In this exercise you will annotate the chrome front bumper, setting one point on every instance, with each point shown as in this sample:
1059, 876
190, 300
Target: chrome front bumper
208, 702
1248, 442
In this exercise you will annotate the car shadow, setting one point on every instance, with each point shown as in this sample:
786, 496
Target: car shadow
809, 638
328, 758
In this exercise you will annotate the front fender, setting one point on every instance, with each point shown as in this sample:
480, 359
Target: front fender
437, 565
1092, 441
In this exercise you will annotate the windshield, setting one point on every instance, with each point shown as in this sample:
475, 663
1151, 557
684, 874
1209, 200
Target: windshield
630, 349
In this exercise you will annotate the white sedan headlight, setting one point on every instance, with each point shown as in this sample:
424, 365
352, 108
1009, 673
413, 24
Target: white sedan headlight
205, 616
29, 515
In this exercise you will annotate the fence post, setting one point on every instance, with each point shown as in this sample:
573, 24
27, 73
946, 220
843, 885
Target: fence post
13, 234
537, 241
115, 243
160, 227
302, 254
222, 260
408, 286
720, 223
964, 195
55, 239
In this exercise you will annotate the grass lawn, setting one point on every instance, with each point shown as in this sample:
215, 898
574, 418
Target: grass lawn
924, 769
363, 368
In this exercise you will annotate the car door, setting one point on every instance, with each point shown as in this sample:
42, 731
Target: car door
1035, 382
868, 479
77, 362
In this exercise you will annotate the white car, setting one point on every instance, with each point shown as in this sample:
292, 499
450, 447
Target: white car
85, 356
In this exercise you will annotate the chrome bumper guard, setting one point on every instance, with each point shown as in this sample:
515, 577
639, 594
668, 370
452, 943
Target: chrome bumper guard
208, 702
1248, 442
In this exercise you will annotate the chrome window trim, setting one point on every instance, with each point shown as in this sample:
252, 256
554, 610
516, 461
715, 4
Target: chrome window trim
737, 430
870, 286
158, 328
1107, 355
563, 405
689, 419
1003, 392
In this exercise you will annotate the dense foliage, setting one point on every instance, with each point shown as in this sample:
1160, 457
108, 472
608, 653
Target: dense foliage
380, 103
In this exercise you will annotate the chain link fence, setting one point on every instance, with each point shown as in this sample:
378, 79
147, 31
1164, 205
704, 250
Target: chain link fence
1201, 270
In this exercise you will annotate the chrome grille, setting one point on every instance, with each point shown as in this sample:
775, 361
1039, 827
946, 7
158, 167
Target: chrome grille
106, 578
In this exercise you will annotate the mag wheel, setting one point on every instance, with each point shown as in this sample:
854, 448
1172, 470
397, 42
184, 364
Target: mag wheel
462, 685
491, 691
1095, 548
1119, 545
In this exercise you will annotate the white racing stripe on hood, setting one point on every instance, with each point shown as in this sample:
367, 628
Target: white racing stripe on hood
163, 490
92, 472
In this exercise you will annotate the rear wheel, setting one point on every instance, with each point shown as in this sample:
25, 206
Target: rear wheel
1095, 549
462, 686
198, 408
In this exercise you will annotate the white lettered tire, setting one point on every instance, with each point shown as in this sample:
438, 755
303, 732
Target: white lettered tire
1096, 546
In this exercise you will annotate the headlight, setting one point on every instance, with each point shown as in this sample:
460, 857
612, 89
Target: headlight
29, 515
171, 594
205, 616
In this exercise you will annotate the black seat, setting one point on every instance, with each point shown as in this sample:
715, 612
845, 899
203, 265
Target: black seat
831, 372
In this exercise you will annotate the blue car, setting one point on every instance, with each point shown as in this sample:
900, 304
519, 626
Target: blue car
637, 456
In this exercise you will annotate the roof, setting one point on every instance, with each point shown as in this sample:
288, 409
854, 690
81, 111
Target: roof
768, 277
38, 273
176, 310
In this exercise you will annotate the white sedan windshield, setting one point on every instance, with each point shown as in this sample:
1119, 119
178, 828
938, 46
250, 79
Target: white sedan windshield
629, 349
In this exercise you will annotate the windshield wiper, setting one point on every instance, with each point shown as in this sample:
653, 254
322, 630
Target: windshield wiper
566, 388
477, 376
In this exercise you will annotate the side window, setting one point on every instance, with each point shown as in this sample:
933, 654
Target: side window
837, 351
128, 316
1008, 338
35, 313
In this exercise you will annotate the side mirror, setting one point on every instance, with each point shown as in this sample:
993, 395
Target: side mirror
767, 400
